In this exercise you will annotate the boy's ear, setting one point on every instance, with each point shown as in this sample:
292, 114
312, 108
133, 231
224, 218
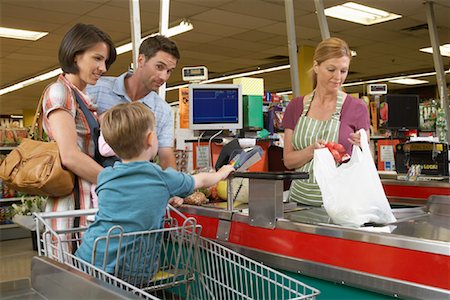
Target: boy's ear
150, 138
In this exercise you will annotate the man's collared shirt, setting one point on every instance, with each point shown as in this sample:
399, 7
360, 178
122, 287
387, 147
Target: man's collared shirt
110, 91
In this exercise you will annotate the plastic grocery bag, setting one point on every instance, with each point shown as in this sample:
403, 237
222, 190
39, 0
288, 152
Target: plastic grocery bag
352, 193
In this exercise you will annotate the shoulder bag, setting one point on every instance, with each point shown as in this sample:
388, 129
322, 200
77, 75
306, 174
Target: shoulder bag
34, 167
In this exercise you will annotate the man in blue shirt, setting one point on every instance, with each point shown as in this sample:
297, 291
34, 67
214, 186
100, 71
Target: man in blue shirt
158, 57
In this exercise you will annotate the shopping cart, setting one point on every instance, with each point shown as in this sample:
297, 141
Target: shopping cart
170, 263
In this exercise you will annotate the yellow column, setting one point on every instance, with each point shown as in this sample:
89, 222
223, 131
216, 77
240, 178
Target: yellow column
305, 61
28, 115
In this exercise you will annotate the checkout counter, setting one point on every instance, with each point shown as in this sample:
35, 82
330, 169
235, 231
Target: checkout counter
407, 259
433, 160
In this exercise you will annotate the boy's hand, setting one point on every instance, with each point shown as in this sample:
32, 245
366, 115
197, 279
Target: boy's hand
225, 170
176, 201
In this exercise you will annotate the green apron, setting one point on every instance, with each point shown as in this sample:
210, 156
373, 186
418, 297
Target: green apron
306, 132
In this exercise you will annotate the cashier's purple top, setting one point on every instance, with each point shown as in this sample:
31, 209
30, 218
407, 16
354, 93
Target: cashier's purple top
354, 116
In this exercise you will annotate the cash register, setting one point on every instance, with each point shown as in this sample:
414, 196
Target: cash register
432, 157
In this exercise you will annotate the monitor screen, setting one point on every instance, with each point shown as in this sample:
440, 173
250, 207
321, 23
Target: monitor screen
215, 106
403, 111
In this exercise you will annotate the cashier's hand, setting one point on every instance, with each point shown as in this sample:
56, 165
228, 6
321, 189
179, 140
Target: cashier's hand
176, 201
319, 144
355, 139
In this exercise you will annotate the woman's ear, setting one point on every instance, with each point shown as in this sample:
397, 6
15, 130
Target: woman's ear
315, 66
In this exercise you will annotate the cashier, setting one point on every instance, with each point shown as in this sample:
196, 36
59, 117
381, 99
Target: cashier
326, 114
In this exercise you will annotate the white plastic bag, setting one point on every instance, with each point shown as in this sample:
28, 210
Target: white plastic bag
352, 193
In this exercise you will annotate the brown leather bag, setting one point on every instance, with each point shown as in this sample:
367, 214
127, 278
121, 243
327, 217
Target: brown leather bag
34, 167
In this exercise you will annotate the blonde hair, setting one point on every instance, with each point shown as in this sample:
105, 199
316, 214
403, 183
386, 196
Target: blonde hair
329, 48
125, 127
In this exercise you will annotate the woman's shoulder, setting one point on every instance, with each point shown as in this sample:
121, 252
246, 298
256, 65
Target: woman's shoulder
57, 91
296, 102
354, 101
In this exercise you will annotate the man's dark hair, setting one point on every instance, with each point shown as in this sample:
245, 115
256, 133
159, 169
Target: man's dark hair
77, 40
150, 46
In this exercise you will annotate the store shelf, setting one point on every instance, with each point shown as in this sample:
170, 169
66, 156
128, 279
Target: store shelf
12, 232
8, 226
4, 200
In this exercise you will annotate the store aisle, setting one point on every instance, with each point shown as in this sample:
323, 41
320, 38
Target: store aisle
15, 259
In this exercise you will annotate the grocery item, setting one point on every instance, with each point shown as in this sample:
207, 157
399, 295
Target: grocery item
338, 151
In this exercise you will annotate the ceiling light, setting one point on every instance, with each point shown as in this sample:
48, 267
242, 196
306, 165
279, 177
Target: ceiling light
444, 49
31, 81
353, 52
361, 14
408, 81
20, 34
184, 26
246, 74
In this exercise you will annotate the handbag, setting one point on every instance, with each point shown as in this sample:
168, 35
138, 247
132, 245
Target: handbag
352, 193
34, 167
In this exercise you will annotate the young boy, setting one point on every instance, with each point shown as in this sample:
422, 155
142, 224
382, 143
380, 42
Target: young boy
134, 193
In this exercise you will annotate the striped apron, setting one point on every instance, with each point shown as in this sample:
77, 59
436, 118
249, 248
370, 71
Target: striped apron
306, 132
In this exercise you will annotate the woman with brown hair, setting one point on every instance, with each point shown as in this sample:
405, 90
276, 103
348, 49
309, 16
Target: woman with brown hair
84, 55
326, 115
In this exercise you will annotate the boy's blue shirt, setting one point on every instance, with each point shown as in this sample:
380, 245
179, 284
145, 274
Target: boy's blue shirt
133, 195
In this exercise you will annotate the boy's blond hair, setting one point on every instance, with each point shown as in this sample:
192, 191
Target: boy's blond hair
125, 127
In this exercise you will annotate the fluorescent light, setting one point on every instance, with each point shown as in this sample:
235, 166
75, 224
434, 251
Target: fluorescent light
16, 116
184, 26
21, 34
392, 78
250, 73
30, 81
283, 67
361, 14
444, 49
284, 93
408, 81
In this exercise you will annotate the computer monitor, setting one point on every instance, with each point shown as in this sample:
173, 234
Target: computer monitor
215, 107
403, 111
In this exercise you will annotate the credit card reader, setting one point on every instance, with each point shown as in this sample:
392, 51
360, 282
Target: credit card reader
243, 159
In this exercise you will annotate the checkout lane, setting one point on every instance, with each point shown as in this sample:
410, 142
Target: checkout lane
409, 258
390, 260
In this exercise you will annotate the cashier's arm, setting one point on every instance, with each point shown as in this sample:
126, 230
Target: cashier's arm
294, 159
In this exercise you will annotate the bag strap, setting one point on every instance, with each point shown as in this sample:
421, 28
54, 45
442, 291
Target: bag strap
92, 123
37, 119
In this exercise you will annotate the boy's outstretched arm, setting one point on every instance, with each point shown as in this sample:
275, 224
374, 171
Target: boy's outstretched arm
208, 179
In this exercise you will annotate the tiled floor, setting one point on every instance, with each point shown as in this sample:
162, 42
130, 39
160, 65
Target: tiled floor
15, 259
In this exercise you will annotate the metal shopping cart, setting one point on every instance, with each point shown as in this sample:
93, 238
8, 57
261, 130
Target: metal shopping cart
170, 263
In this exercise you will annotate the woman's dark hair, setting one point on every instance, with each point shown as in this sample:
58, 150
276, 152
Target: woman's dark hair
77, 40
150, 46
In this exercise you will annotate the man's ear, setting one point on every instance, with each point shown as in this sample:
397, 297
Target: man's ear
141, 60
